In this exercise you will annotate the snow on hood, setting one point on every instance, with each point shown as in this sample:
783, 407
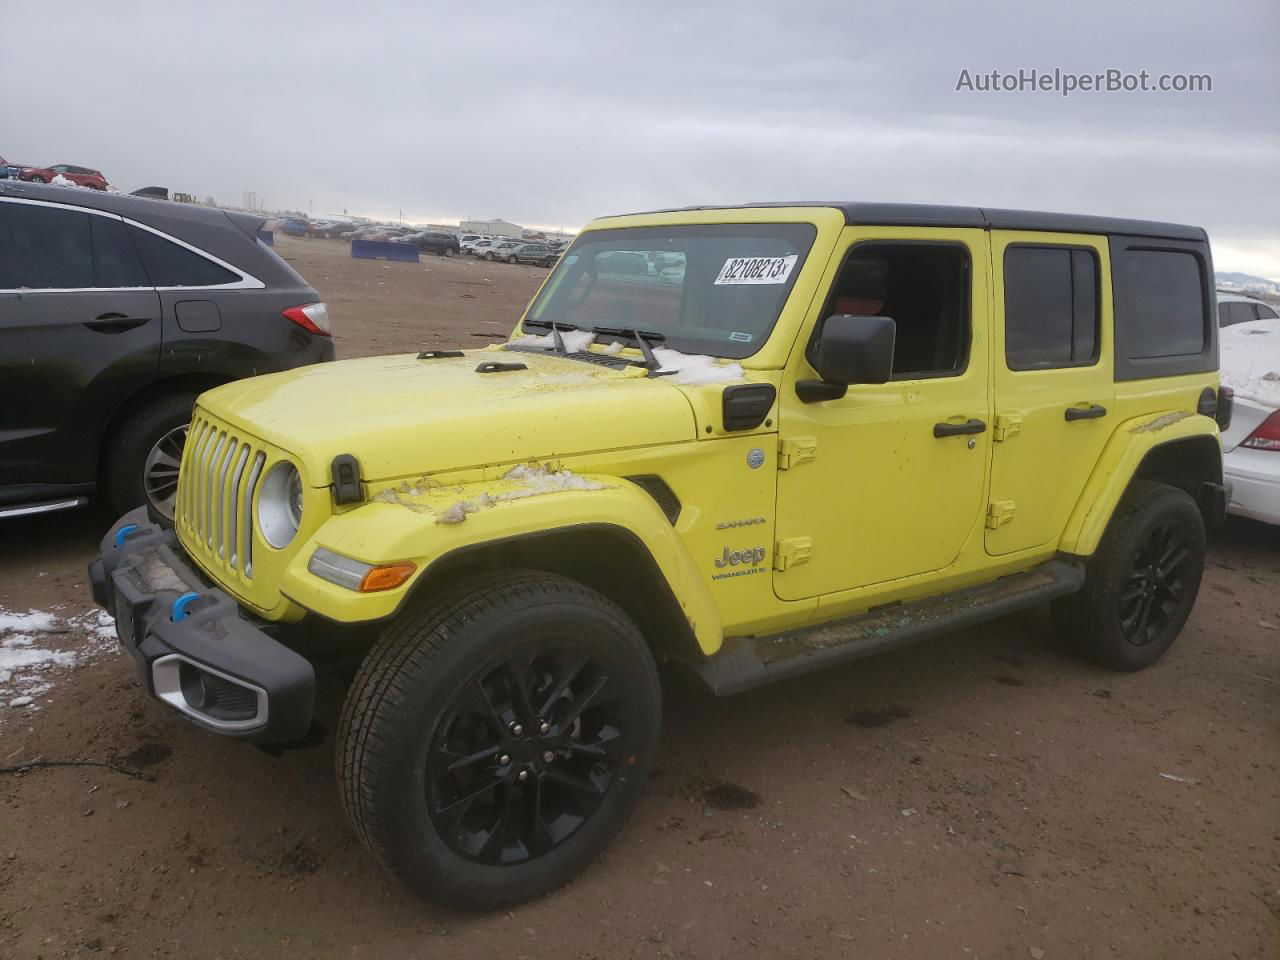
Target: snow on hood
1249, 359
694, 370
574, 340
39, 647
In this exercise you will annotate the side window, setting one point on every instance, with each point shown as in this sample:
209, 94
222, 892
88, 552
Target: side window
925, 289
1237, 312
1160, 303
1050, 307
1265, 313
115, 261
170, 265
43, 247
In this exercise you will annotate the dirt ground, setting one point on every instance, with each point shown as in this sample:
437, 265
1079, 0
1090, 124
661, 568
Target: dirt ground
978, 796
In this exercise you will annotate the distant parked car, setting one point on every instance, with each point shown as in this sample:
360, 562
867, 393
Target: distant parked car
9, 171
481, 248
117, 312
500, 250
433, 241
1234, 308
32, 174
538, 253
330, 229
80, 176
293, 227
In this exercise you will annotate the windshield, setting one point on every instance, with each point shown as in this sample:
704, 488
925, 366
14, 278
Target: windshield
713, 290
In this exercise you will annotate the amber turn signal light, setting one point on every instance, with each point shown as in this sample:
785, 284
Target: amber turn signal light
386, 577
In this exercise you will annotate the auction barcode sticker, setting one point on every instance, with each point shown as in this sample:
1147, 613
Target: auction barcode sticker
756, 270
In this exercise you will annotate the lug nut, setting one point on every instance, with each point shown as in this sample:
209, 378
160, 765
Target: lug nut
516, 729
522, 776
544, 728
549, 756
504, 760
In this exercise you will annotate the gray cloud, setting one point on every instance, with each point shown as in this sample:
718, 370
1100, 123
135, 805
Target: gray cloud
557, 112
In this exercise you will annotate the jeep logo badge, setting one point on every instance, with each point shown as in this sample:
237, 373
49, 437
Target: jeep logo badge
732, 558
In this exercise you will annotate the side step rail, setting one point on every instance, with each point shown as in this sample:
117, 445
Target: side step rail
744, 663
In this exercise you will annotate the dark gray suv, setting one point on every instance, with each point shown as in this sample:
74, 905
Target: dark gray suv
115, 312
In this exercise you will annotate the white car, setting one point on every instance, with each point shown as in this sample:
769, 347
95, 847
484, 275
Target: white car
1250, 362
1234, 308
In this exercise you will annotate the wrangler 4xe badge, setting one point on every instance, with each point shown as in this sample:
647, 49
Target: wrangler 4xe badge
749, 559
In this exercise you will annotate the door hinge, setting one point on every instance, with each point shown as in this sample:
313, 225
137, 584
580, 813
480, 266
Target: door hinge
1007, 425
999, 512
797, 450
791, 552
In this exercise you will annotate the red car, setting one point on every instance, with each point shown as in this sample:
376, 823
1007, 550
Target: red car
80, 176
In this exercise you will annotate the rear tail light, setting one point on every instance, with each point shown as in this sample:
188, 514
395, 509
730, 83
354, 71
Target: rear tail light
312, 317
1267, 436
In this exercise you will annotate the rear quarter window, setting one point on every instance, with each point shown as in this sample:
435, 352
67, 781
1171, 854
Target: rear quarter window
1163, 323
169, 265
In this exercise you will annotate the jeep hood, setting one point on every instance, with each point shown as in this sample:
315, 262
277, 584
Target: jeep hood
401, 416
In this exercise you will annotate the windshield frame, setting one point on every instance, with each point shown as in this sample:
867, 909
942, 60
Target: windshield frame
808, 234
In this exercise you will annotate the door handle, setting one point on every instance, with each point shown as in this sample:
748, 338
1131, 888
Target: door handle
958, 429
114, 322
1091, 412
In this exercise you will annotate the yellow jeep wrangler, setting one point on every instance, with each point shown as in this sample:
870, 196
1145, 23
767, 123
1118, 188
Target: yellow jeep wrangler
752, 441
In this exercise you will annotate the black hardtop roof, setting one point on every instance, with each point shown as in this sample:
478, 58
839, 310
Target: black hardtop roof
985, 218
143, 209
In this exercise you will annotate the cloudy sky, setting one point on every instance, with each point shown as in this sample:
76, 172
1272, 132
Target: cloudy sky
552, 113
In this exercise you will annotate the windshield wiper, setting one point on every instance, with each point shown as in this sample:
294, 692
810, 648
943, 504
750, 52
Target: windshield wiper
556, 339
641, 337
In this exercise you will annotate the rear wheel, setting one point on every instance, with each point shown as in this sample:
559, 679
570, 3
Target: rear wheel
488, 256
140, 465
495, 742
511, 259
449, 251
1141, 583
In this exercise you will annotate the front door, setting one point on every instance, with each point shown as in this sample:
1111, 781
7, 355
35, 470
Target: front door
79, 331
889, 481
1054, 387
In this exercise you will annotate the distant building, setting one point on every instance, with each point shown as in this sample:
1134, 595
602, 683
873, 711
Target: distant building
495, 228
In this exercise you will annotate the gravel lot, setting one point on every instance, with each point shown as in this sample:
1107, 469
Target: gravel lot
981, 795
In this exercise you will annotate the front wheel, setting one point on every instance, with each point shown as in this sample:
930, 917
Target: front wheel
489, 257
511, 259
496, 739
449, 251
1141, 583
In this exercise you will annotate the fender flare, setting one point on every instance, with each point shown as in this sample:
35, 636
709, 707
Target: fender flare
398, 526
1119, 463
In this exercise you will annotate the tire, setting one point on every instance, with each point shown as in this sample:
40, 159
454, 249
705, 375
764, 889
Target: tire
547, 263
439, 684
449, 251
1142, 582
489, 257
157, 427
512, 259
39, 180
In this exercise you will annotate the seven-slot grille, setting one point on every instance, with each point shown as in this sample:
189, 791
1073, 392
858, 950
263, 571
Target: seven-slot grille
220, 473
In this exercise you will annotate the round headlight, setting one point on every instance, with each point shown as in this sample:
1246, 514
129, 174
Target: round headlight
280, 504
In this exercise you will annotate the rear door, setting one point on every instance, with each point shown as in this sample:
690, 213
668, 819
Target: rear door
79, 332
1054, 384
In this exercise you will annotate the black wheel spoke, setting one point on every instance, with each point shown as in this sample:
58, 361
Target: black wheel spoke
592, 694
566, 673
584, 788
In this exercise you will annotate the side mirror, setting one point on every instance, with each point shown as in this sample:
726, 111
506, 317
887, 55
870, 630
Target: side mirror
849, 350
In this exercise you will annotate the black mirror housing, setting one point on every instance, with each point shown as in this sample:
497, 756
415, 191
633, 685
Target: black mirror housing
850, 350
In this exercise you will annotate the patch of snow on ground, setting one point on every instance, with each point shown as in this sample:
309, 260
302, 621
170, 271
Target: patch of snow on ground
534, 482
694, 370
574, 340
1249, 358
38, 646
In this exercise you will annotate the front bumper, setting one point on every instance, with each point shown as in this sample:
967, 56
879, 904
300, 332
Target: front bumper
193, 647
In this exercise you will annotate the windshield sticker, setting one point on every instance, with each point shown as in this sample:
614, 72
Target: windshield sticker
741, 337
738, 270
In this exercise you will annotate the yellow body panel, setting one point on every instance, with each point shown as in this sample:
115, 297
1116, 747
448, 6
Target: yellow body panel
822, 511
